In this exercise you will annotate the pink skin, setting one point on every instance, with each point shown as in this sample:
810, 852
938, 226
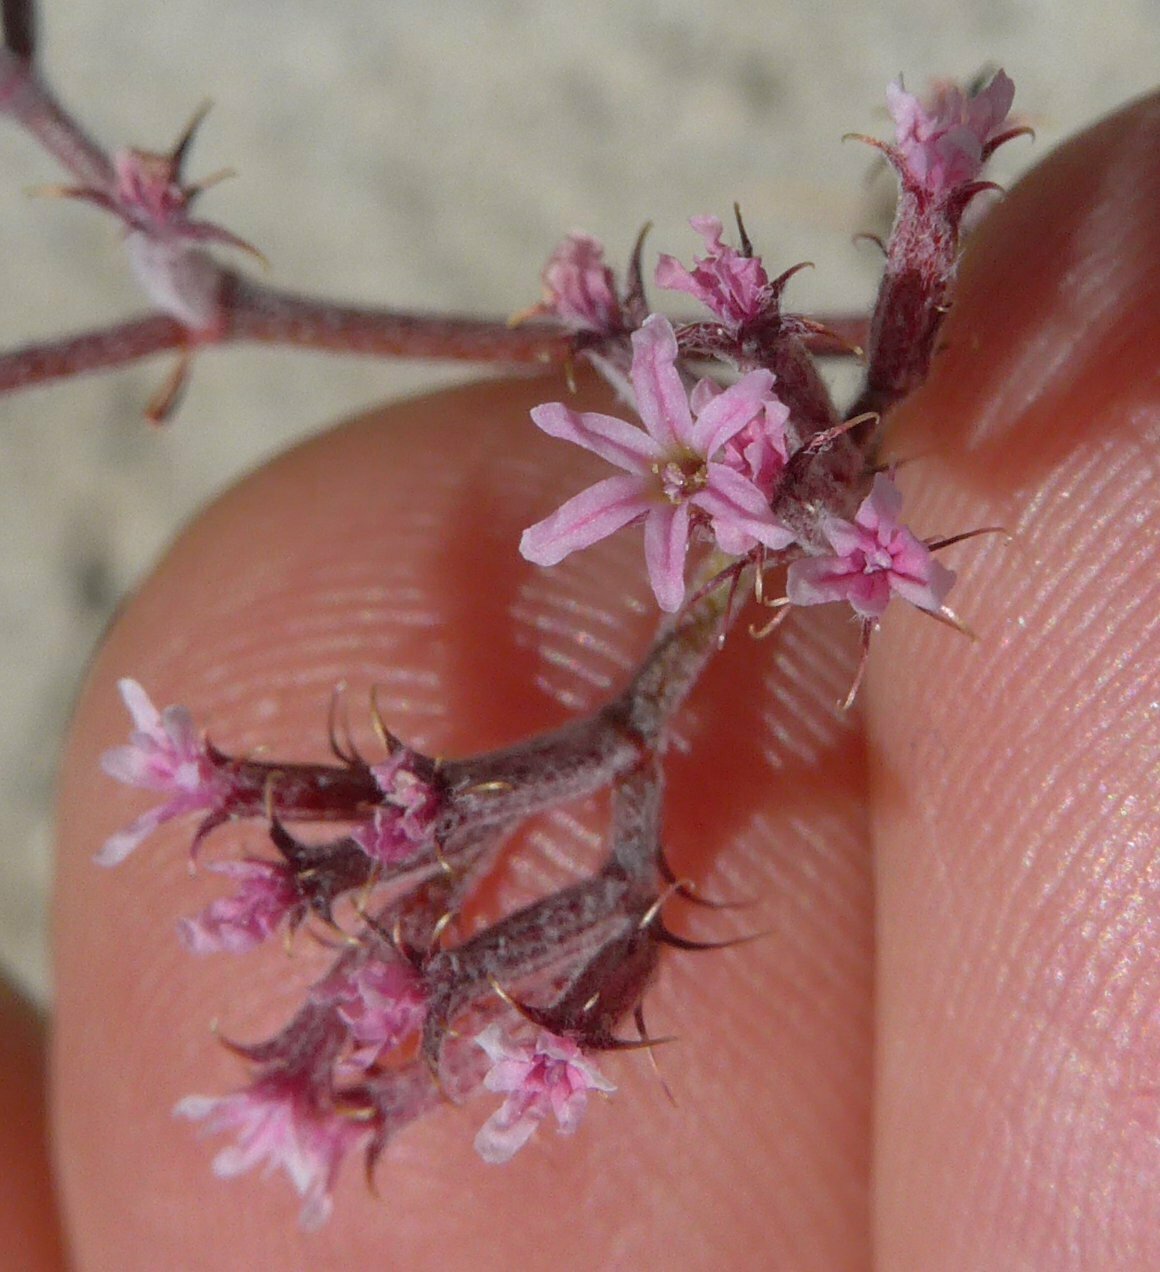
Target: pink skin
675, 480
733, 286
550, 1077
876, 558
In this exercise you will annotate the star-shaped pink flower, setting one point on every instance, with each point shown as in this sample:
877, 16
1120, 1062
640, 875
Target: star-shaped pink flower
277, 1122
550, 1076
875, 559
675, 480
943, 145
166, 754
735, 287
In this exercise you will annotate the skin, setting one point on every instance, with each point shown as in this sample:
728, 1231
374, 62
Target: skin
961, 879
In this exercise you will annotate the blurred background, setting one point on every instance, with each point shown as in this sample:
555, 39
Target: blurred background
430, 156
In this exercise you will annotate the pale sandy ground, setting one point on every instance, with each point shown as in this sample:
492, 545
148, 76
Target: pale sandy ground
428, 155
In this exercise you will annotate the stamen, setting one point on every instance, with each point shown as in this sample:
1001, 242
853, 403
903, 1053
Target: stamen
782, 604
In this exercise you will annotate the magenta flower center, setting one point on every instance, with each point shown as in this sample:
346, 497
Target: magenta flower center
876, 559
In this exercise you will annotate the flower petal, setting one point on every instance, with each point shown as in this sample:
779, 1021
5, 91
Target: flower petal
587, 518
729, 412
739, 512
880, 510
502, 1136
817, 581
666, 543
925, 593
119, 845
660, 396
615, 440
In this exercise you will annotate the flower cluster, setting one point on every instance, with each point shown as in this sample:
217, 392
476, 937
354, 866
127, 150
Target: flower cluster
710, 462
738, 463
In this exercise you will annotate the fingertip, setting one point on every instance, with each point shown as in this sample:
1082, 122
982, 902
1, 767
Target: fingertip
1012, 776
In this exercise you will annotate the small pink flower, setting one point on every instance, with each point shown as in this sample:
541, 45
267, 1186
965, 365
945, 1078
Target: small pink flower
277, 1123
579, 288
675, 479
235, 924
165, 754
943, 145
404, 823
733, 286
381, 1003
551, 1077
150, 195
876, 559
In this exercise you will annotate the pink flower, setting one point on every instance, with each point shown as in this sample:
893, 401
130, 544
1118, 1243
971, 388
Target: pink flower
675, 480
943, 145
550, 1077
876, 559
579, 289
381, 1003
241, 922
404, 823
277, 1122
733, 286
164, 753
